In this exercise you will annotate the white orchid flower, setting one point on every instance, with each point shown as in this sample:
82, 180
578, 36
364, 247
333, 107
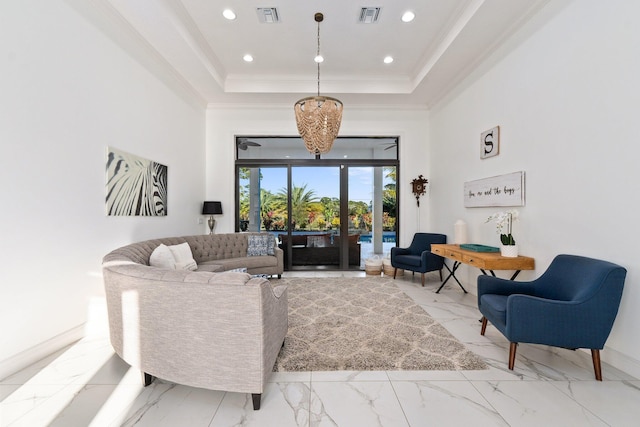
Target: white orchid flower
504, 220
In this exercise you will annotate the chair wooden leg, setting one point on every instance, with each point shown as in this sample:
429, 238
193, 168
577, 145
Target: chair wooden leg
422, 279
395, 270
484, 325
512, 354
597, 367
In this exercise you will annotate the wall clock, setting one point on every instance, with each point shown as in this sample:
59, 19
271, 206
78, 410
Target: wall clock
418, 187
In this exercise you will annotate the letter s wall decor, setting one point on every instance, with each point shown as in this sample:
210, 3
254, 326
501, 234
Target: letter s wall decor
490, 143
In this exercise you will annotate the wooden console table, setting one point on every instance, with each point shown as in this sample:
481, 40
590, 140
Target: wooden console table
485, 261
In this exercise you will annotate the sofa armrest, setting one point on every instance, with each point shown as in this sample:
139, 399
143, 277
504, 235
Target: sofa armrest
400, 251
280, 256
431, 261
193, 328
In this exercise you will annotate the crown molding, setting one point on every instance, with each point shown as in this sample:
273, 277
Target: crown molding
305, 84
282, 106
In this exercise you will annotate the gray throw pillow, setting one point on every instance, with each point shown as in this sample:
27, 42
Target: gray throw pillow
260, 245
271, 244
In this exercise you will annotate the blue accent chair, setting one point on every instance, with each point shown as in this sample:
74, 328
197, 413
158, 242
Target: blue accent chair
572, 305
418, 256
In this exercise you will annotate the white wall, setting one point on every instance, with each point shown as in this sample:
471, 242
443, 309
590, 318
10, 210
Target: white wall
566, 99
67, 91
410, 125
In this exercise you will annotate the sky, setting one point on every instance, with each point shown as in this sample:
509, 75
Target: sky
325, 181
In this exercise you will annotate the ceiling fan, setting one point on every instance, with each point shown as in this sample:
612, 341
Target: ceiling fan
244, 143
390, 146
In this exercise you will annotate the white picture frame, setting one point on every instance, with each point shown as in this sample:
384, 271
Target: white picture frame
502, 190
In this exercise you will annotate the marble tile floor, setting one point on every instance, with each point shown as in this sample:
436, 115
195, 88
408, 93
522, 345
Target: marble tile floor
85, 384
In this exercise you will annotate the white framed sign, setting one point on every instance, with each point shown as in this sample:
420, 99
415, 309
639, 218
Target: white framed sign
502, 190
490, 143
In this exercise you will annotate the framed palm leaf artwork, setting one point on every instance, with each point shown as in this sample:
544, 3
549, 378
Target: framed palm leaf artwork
135, 186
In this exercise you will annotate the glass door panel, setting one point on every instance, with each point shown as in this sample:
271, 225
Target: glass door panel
315, 216
263, 199
372, 211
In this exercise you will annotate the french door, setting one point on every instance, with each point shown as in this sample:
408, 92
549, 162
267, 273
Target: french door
328, 213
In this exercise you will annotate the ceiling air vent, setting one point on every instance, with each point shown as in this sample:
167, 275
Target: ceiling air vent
268, 15
369, 15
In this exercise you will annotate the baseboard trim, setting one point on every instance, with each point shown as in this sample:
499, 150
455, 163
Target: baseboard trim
38, 352
621, 361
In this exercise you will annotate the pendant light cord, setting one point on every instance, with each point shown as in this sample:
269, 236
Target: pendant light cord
318, 54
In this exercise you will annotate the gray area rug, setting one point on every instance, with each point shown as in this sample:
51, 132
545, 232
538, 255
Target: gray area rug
364, 324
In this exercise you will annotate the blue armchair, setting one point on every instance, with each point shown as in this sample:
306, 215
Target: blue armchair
418, 256
572, 305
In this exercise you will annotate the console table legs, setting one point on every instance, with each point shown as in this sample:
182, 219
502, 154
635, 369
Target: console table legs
513, 277
452, 272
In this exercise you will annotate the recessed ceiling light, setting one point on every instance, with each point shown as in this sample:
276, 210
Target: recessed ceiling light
318, 58
388, 59
248, 58
229, 14
408, 16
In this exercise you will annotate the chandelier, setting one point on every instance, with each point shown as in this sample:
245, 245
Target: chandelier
318, 117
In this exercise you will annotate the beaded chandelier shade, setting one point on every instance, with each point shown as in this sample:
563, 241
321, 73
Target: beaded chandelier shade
318, 117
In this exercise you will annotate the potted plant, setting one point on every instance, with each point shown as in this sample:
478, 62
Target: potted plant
504, 221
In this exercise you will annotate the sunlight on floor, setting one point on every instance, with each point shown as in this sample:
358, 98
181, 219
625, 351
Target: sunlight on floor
42, 397
54, 386
117, 406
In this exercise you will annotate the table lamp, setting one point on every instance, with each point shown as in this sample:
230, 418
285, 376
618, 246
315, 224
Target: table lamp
211, 209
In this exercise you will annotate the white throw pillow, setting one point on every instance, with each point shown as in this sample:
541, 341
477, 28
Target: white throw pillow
188, 265
162, 257
183, 257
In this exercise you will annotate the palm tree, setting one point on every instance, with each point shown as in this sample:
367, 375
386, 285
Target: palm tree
390, 188
389, 192
268, 206
330, 209
391, 174
268, 202
301, 203
244, 174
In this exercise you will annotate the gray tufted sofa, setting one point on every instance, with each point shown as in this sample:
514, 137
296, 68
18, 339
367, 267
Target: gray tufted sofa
219, 331
212, 252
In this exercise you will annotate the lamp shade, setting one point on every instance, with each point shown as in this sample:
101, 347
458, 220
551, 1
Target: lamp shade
212, 208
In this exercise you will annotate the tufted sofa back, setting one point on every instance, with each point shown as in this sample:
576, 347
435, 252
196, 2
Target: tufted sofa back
218, 246
204, 248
